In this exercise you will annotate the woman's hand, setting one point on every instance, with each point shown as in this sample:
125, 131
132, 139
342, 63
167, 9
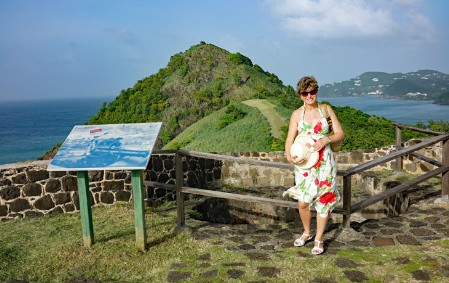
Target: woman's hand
296, 160
319, 144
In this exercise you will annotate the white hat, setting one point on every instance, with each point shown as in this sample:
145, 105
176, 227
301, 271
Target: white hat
302, 147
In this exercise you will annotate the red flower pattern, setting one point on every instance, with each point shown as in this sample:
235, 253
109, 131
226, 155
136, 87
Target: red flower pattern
305, 174
325, 183
320, 158
327, 198
317, 128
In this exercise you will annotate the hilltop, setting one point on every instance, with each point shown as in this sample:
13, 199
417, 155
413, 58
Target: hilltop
195, 83
423, 84
209, 99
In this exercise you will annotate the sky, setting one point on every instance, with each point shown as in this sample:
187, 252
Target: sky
52, 49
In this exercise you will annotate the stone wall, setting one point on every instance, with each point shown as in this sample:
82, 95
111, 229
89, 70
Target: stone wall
28, 189
245, 175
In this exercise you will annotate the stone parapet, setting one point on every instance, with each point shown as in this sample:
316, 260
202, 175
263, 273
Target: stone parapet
28, 189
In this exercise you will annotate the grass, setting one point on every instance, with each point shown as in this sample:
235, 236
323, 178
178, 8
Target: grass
251, 133
50, 249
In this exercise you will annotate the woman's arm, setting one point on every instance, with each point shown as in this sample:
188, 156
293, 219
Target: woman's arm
292, 133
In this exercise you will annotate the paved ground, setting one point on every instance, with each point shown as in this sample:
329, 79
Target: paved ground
425, 220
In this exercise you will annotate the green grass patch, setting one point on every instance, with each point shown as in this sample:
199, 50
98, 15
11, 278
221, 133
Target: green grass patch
50, 249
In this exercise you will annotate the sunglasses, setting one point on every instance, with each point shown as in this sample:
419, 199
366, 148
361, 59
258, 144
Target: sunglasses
306, 93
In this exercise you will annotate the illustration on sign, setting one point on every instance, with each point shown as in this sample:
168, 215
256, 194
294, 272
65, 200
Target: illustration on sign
101, 147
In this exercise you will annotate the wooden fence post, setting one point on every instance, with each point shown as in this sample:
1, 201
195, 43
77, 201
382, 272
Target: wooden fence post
181, 219
445, 176
398, 134
347, 201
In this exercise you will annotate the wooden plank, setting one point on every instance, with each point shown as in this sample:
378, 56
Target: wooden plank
402, 187
427, 159
181, 218
425, 131
398, 134
85, 208
445, 176
281, 165
164, 186
347, 196
393, 155
240, 197
207, 155
139, 210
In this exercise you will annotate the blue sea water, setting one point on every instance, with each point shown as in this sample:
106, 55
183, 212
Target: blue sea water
402, 111
29, 128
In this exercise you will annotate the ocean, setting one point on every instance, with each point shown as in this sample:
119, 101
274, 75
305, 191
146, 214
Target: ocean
402, 111
29, 128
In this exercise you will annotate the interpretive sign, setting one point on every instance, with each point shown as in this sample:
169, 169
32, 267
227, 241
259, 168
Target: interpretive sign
106, 147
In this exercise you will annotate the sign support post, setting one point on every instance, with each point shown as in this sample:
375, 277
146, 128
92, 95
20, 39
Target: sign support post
85, 208
108, 147
139, 210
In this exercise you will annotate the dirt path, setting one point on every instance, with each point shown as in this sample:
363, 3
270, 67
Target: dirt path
275, 120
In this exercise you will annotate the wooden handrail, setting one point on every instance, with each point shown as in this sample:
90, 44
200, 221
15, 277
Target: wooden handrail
399, 188
207, 155
424, 131
398, 153
348, 208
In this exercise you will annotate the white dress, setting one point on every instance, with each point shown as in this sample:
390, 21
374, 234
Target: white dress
317, 185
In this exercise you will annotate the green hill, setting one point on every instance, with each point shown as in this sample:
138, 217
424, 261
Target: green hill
198, 98
423, 84
203, 79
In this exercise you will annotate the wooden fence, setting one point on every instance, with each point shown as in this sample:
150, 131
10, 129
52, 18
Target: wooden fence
348, 208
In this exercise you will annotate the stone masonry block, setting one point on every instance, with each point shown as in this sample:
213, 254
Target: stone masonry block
37, 175
5, 182
9, 193
20, 178
44, 203
113, 185
123, 196
19, 204
69, 183
96, 176
3, 210
61, 198
106, 197
32, 189
53, 186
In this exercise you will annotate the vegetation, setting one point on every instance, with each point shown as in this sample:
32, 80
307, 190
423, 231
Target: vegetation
50, 249
204, 86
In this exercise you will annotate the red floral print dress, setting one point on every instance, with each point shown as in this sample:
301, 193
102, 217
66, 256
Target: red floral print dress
317, 185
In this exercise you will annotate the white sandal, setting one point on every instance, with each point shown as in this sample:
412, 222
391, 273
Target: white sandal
317, 250
300, 242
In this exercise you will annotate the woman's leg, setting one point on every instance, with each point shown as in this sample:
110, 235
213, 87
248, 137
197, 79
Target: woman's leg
306, 217
321, 223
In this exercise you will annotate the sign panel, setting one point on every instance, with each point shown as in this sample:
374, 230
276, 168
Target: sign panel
107, 147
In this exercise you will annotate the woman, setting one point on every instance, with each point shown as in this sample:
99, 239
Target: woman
315, 186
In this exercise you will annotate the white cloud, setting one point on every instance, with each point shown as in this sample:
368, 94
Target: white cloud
352, 19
